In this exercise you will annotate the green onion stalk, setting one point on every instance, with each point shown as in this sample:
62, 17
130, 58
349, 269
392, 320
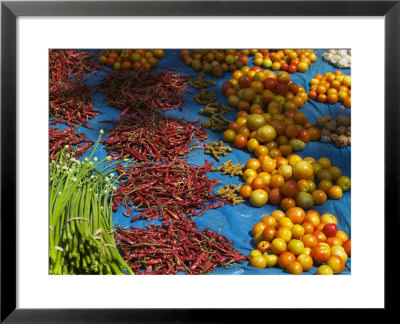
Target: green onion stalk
81, 236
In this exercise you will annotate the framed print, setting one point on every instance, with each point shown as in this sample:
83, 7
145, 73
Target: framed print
199, 149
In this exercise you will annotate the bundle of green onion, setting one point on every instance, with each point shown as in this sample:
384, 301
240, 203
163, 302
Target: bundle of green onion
81, 227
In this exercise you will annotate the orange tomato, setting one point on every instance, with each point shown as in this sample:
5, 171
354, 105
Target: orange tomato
347, 247
285, 258
308, 228
319, 196
268, 165
257, 183
264, 246
262, 149
269, 233
288, 203
320, 253
306, 261
276, 181
334, 241
303, 170
335, 192
253, 164
278, 214
296, 215
303, 185
258, 228
278, 246
328, 218
321, 237
336, 263
245, 191
309, 240
342, 235
295, 268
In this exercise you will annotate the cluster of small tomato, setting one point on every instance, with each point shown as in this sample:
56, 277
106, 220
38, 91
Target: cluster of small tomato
131, 59
331, 88
296, 241
270, 91
292, 181
290, 60
214, 61
280, 133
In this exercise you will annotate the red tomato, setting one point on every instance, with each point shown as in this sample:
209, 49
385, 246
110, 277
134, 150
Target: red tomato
240, 141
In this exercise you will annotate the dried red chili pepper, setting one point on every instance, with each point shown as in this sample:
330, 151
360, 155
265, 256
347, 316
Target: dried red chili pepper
184, 248
146, 135
158, 91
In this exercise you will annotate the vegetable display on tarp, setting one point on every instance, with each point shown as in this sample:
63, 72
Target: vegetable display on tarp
149, 202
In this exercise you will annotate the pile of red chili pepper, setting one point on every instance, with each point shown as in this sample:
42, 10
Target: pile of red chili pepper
170, 190
147, 135
156, 91
71, 100
58, 139
175, 246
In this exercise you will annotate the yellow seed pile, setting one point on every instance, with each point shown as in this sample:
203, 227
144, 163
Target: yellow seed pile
216, 112
215, 149
229, 168
205, 97
200, 82
230, 193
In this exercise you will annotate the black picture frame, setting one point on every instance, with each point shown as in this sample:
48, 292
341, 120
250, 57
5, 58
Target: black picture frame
10, 10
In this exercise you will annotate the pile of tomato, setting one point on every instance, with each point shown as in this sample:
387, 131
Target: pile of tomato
290, 60
131, 59
292, 181
279, 133
214, 61
331, 88
253, 86
296, 241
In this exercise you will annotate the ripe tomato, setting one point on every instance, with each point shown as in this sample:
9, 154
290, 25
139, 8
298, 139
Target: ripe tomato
269, 220
285, 258
335, 192
240, 141
328, 218
264, 246
296, 215
303, 185
303, 170
278, 246
309, 240
255, 253
258, 227
278, 214
330, 229
319, 197
272, 259
320, 253
297, 231
258, 262
342, 235
295, 246
253, 164
295, 268
324, 270
339, 251
287, 203
336, 263
285, 222
306, 261
315, 133
245, 191
321, 237
313, 217
252, 145
258, 197
269, 233
284, 233
308, 228
324, 162
266, 133
347, 247
334, 241
276, 181
268, 165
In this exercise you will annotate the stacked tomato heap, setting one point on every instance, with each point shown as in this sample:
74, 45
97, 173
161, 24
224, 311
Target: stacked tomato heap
291, 60
214, 61
252, 91
295, 241
128, 59
291, 181
331, 88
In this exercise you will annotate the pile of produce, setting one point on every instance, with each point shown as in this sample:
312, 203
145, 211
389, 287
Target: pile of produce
214, 61
59, 139
274, 134
216, 111
217, 149
146, 90
131, 59
339, 58
291, 60
173, 189
255, 87
174, 247
71, 100
331, 88
147, 135
296, 241
292, 181
336, 131
81, 238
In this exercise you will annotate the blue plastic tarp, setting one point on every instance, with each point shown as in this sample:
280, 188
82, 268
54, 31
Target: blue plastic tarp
236, 222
